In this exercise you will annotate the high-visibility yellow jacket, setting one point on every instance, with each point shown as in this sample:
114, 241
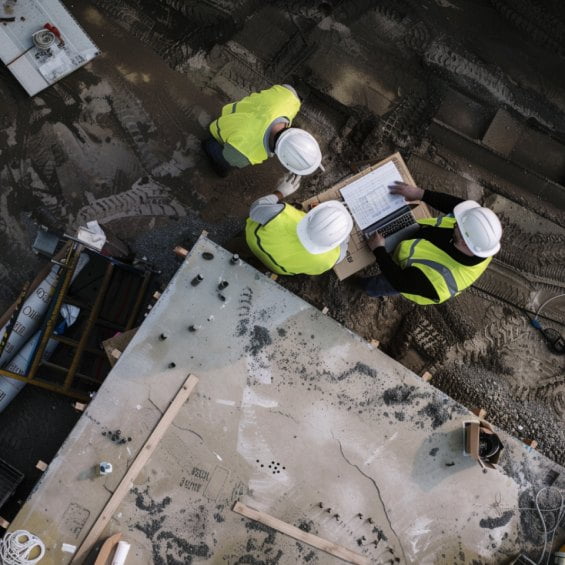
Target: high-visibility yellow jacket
243, 124
277, 245
447, 276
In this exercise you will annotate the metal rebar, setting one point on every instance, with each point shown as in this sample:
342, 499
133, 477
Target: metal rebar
88, 326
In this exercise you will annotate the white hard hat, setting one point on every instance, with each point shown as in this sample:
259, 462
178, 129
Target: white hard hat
325, 227
298, 151
479, 227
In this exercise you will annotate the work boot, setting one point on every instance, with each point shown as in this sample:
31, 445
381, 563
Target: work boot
214, 152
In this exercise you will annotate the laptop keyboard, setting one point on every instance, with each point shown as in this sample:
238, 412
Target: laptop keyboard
396, 225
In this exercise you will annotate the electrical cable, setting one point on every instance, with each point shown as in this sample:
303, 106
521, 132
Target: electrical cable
17, 547
522, 308
553, 339
548, 533
548, 301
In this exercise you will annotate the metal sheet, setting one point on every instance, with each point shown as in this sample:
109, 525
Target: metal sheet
35, 68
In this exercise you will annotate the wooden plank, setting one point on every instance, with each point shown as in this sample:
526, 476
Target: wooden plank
479, 412
296, 533
140, 460
180, 251
41, 465
107, 548
117, 343
427, 376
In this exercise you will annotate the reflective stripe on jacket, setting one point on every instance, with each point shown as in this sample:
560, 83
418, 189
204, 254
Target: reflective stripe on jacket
277, 245
447, 276
243, 124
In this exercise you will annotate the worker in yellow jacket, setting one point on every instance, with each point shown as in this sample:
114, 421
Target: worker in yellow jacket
444, 257
289, 241
257, 127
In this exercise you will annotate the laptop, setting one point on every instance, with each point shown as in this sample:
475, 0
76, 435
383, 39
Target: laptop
374, 208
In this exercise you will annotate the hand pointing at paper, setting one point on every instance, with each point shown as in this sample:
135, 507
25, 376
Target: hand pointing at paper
409, 191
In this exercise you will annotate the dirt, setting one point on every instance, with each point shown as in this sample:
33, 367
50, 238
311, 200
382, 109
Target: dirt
119, 141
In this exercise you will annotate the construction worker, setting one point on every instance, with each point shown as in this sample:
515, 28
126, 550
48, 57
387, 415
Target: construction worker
444, 257
257, 127
289, 241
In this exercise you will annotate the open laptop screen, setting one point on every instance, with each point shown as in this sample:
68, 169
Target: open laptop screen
368, 197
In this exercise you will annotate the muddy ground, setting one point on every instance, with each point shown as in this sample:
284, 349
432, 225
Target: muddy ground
472, 93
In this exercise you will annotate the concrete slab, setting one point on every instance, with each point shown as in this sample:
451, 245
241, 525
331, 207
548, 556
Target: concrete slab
503, 133
295, 416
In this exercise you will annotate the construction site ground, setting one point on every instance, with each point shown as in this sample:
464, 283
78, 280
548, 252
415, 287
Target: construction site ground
472, 93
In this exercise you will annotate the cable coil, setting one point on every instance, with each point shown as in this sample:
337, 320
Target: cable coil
17, 548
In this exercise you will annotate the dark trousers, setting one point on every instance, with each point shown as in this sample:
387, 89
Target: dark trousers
377, 286
214, 151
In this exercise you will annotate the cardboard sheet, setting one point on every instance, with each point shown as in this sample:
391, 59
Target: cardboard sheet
359, 255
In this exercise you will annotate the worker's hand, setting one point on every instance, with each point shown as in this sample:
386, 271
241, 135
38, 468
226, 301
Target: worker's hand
409, 192
376, 240
289, 184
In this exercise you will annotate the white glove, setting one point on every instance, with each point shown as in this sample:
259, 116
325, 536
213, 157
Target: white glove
289, 184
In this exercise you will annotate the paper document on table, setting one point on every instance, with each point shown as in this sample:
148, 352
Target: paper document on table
368, 198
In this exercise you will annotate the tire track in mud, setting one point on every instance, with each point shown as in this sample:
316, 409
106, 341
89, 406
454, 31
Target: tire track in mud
535, 21
137, 125
538, 254
147, 197
456, 65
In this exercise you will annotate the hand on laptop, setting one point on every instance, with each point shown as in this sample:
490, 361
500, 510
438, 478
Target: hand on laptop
409, 192
376, 240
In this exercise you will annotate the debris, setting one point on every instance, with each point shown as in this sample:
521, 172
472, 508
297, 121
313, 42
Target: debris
68, 548
115, 353
4, 523
426, 376
531, 443
121, 553
180, 251
325, 310
80, 406
479, 412
41, 465
92, 235
105, 468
